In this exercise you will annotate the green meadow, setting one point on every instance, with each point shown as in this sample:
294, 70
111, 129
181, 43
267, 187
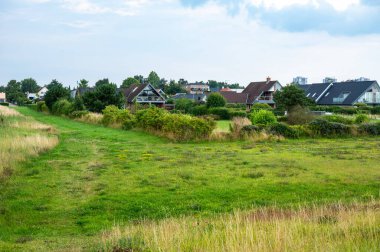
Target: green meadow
97, 177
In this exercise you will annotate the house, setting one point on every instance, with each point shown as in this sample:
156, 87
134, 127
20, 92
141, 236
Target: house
232, 97
197, 98
31, 96
41, 94
344, 93
197, 88
144, 94
261, 92
3, 98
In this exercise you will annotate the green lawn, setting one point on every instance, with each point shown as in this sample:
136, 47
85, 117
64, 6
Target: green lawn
98, 176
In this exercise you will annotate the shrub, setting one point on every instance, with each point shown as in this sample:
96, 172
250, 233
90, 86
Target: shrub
237, 125
78, 114
325, 128
199, 110
151, 118
237, 113
215, 100
62, 107
185, 127
4, 104
222, 113
361, 118
249, 130
375, 110
299, 115
41, 107
184, 105
284, 130
261, 106
338, 119
112, 115
370, 129
263, 117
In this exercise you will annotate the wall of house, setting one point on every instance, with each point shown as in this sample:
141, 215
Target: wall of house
371, 96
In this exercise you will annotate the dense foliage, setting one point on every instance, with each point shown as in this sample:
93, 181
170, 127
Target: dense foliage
215, 100
55, 92
112, 115
263, 118
291, 96
105, 94
323, 127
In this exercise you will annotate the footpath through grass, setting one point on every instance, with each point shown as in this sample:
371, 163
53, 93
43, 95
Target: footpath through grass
98, 176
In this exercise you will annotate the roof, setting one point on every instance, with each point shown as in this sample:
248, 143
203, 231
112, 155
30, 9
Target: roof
354, 88
131, 92
226, 89
255, 89
233, 97
314, 91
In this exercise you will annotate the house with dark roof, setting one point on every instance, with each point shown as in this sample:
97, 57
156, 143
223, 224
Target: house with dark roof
233, 97
344, 93
144, 94
80, 91
261, 92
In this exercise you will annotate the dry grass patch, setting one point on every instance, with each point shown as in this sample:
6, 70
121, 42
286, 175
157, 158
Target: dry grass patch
93, 118
331, 228
21, 138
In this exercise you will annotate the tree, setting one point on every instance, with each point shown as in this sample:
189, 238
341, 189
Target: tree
102, 82
2, 89
83, 83
291, 96
182, 82
129, 82
184, 105
103, 96
174, 88
215, 100
56, 91
29, 86
154, 79
14, 93
140, 78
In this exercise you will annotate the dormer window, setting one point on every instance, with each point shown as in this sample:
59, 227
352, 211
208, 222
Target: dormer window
314, 94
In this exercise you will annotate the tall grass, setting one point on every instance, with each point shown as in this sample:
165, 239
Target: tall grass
339, 227
21, 138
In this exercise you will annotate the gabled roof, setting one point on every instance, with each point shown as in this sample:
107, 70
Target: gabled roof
255, 89
354, 89
195, 97
134, 90
313, 91
233, 97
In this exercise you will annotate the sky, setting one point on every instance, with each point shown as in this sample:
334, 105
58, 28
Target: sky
237, 41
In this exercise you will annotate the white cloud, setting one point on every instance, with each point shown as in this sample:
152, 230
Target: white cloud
339, 5
79, 24
84, 6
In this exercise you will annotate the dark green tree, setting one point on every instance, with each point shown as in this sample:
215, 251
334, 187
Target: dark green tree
103, 95
154, 79
183, 82
184, 105
291, 96
129, 82
56, 91
140, 78
83, 83
2, 89
215, 100
29, 85
102, 82
14, 93
174, 88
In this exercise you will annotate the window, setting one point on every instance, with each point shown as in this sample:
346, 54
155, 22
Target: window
314, 94
308, 95
343, 96
327, 94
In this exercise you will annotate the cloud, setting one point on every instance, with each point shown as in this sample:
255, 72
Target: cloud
337, 17
79, 24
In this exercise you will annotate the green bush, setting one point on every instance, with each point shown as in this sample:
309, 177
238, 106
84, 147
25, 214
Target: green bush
41, 107
185, 105
112, 115
361, 118
249, 130
151, 118
338, 119
62, 107
263, 117
199, 110
299, 115
237, 113
78, 114
284, 130
4, 104
261, 106
370, 129
375, 110
323, 127
215, 100
222, 113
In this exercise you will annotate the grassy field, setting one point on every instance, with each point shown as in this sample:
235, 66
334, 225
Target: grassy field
97, 177
223, 126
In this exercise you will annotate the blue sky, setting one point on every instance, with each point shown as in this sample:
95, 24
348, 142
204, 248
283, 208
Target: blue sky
227, 40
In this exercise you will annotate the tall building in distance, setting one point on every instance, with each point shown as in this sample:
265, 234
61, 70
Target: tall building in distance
362, 79
300, 80
329, 80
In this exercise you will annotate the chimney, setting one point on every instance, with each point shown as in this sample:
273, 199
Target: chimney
268, 79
